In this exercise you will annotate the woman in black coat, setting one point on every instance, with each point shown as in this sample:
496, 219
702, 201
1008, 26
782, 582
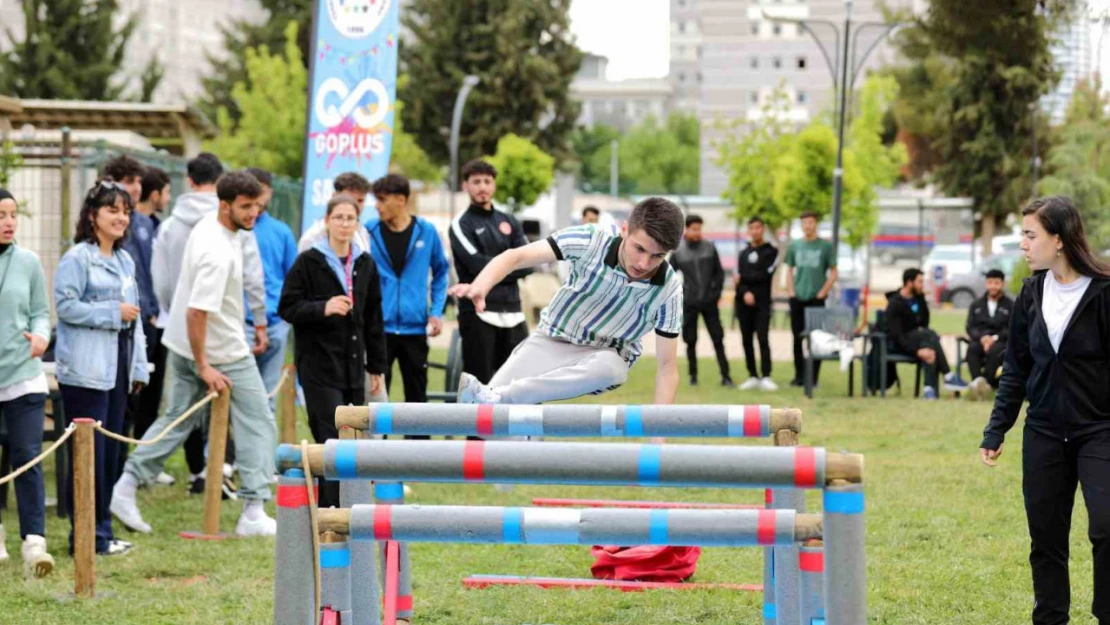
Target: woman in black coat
333, 299
1058, 358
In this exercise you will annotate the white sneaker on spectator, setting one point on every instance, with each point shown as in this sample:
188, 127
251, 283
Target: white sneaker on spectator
117, 548
751, 384
767, 384
37, 563
980, 388
165, 479
3, 547
263, 525
125, 508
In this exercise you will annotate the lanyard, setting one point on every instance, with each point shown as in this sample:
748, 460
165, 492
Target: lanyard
350, 282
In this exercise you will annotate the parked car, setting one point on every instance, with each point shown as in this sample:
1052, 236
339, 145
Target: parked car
944, 262
901, 242
963, 289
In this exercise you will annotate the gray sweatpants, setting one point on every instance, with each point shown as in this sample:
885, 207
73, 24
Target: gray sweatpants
543, 369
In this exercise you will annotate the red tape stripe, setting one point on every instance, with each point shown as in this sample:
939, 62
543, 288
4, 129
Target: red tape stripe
404, 603
294, 496
811, 561
485, 420
768, 497
805, 467
752, 423
474, 460
765, 527
383, 522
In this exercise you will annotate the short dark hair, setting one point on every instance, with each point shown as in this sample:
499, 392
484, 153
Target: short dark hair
996, 273
105, 192
123, 166
755, 219
810, 215
237, 184
910, 275
340, 199
391, 184
692, 219
261, 175
204, 168
153, 180
591, 209
476, 167
660, 219
351, 181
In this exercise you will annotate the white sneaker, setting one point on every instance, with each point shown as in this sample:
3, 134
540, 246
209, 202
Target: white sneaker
262, 526
767, 384
3, 547
981, 388
126, 510
750, 384
117, 548
165, 479
471, 391
37, 563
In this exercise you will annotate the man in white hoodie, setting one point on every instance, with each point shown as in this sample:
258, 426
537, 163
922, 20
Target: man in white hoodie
169, 249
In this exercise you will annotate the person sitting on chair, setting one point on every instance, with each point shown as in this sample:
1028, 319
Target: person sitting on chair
907, 316
988, 326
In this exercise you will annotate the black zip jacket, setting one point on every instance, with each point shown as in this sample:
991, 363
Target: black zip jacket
703, 278
757, 271
904, 316
477, 236
1069, 391
980, 323
333, 351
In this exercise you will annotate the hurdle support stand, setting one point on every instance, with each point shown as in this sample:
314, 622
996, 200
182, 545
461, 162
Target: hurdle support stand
365, 595
294, 560
846, 573
335, 575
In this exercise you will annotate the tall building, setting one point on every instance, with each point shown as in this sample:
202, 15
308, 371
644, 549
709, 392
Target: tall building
621, 104
1072, 53
741, 57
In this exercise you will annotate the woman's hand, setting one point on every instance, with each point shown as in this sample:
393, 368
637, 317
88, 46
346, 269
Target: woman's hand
338, 305
128, 312
989, 457
377, 383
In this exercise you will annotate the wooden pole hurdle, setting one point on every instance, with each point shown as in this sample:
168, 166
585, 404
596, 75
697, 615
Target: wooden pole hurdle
287, 406
84, 508
214, 473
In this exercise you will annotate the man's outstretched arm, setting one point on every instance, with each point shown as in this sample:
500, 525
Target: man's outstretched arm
666, 371
502, 265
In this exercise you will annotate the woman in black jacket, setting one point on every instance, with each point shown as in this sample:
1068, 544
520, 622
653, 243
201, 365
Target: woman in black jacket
333, 299
1058, 359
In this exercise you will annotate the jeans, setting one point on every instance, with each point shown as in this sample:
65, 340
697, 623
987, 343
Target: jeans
271, 360
252, 425
23, 417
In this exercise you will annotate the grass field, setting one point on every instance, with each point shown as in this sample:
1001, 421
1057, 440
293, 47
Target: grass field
946, 539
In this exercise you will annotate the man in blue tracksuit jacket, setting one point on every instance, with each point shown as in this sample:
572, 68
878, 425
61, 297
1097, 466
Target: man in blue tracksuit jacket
406, 248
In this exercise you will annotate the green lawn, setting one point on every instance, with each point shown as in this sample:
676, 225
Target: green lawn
946, 539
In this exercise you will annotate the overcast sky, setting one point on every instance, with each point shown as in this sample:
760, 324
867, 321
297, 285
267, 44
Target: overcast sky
634, 34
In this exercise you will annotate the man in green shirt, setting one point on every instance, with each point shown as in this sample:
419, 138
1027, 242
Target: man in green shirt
812, 273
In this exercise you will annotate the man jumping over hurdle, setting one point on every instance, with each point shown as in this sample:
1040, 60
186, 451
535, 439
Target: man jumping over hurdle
619, 288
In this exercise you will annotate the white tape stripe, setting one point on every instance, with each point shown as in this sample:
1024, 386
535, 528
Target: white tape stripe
609, 421
526, 420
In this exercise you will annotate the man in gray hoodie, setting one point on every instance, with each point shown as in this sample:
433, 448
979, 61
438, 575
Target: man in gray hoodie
169, 249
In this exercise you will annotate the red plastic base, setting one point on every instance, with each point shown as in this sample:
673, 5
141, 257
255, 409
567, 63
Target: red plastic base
485, 581
202, 536
621, 503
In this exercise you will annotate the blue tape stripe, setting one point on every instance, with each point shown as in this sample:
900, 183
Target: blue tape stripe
518, 427
658, 531
844, 503
345, 460
633, 421
294, 473
769, 611
817, 621
383, 419
389, 491
335, 558
648, 469
512, 521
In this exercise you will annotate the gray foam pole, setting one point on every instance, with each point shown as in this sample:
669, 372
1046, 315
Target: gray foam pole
335, 577
563, 526
365, 597
769, 572
393, 493
811, 563
294, 586
574, 463
577, 420
787, 591
846, 571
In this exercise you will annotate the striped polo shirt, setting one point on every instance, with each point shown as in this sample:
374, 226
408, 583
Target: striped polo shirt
598, 305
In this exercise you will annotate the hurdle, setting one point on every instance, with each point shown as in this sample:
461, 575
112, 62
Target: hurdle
839, 475
591, 420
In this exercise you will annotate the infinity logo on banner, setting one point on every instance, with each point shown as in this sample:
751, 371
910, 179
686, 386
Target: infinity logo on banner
331, 115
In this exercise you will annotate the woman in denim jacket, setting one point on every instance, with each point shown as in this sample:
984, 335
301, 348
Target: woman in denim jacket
100, 350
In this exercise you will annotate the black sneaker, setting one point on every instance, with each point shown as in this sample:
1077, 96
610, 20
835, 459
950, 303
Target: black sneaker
727, 381
229, 490
196, 485
797, 382
693, 380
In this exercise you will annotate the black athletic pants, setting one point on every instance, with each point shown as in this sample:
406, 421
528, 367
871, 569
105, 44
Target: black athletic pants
712, 318
486, 347
924, 337
755, 321
985, 364
411, 353
798, 326
320, 404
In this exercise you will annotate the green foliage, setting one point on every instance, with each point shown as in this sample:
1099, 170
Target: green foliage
10, 161
662, 158
524, 171
592, 148
522, 51
150, 78
71, 50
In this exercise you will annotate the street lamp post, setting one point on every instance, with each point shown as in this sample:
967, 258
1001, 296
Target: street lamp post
469, 82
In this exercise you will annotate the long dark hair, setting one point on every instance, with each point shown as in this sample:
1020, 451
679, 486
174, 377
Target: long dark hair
104, 193
1059, 216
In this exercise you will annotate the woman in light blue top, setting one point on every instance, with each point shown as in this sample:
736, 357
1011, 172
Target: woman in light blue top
100, 350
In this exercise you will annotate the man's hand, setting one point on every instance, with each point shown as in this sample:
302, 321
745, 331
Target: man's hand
128, 312
377, 383
736, 280
137, 388
261, 341
986, 342
215, 380
749, 299
38, 344
823, 294
471, 292
989, 457
338, 305
435, 326
926, 355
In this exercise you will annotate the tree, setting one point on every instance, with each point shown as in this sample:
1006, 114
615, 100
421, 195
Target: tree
524, 171
592, 149
407, 158
71, 50
662, 159
522, 51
